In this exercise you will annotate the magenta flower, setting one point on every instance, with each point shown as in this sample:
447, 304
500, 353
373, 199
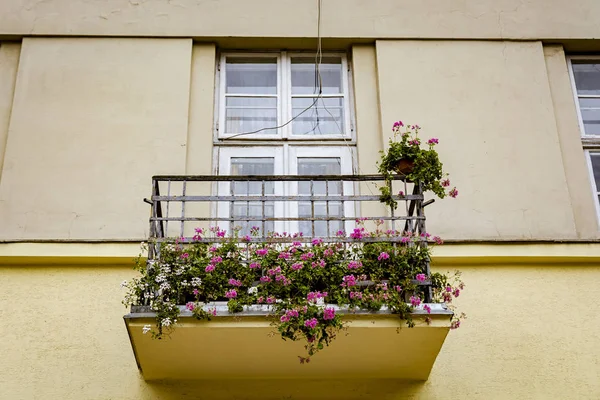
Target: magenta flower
235, 282
213, 249
340, 233
448, 289
260, 300
307, 256
246, 238
446, 182
320, 263
453, 193
254, 265
405, 239
427, 308
292, 313
209, 268
314, 296
328, 313
383, 256
357, 233
356, 295
354, 265
433, 141
190, 306
265, 279
184, 255
414, 142
270, 299
199, 231
297, 266
401, 193
421, 277
438, 240
285, 255
216, 260
349, 281
398, 124
196, 292
284, 318
221, 233
328, 252
297, 244
455, 324
398, 288
262, 252
231, 294
415, 301
456, 292
311, 323
317, 241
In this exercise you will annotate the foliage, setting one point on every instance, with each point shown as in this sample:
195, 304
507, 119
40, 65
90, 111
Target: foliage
427, 170
303, 284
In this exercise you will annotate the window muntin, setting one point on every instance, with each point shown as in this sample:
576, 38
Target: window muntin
260, 106
595, 167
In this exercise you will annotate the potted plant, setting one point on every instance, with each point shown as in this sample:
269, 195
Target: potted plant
405, 156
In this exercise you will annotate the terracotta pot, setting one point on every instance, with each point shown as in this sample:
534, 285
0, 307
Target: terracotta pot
405, 166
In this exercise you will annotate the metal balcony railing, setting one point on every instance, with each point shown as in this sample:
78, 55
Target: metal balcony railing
305, 206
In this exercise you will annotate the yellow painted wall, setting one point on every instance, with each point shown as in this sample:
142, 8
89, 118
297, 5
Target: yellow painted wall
514, 19
489, 103
530, 333
92, 121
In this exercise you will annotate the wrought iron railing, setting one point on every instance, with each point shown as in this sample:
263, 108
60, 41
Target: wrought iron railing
316, 206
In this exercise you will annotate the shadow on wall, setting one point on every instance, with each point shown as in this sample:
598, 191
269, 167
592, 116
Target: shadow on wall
286, 389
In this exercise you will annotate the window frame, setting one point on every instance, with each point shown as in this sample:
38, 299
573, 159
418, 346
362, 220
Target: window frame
284, 98
590, 143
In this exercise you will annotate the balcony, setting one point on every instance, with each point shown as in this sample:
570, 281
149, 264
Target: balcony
322, 210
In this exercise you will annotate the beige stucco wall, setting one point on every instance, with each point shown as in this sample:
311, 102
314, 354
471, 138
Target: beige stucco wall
92, 121
489, 103
515, 19
574, 160
529, 334
9, 62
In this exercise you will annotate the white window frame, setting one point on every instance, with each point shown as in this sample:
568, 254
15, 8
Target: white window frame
284, 98
590, 143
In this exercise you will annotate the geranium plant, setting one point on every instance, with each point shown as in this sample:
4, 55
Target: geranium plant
304, 285
422, 166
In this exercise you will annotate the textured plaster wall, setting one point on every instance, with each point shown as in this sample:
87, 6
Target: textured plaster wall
515, 19
92, 121
490, 105
529, 334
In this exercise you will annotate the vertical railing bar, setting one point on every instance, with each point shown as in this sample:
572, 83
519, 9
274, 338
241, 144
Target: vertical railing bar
168, 205
183, 192
389, 184
263, 202
312, 208
327, 208
231, 205
247, 205
408, 227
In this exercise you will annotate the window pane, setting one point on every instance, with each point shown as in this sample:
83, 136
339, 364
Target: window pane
252, 166
587, 77
247, 75
305, 78
320, 166
596, 169
590, 113
325, 117
249, 114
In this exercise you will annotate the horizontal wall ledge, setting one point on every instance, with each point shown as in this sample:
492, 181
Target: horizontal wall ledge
464, 253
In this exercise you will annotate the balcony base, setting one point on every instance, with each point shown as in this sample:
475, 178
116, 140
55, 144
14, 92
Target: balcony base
375, 345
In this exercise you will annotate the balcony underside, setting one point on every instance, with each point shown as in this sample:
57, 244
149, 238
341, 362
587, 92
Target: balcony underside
374, 346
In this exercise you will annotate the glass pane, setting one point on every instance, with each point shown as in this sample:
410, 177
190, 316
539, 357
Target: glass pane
249, 114
333, 209
248, 75
590, 113
587, 77
241, 209
305, 79
326, 117
596, 169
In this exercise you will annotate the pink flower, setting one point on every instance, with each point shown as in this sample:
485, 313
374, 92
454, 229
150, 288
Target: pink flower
317, 241
297, 266
421, 277
284, 318
320, 263
401, 193
383, 256
456, 292
231, 294
328, 313
209, 268
235, 282
297, 244
311, 323
453, 193
398, 288
446, 182
433, 141
292, 313
340, 233
199, 231
221, 233
265, 279
438, 240
405, 239
213, 312
216, 260
328, 252
213, 249
307, 256
314, 296
357, 233
349, 281
414, 142
398, 124
448, 289
284, 255
356, 295
260, 300
455, 324
354, 265
270, 299
190, 306
262, 252
196, 292
427, 308
246, 238
415, 301
254, 265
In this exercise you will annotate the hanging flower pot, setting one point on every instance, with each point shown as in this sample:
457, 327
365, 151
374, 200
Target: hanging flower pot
404, 166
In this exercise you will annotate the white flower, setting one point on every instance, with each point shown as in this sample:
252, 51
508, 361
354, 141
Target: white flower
160, 278
165, 286
253, 290
146, 329
196, 281
124, 284
166, 322
321, 302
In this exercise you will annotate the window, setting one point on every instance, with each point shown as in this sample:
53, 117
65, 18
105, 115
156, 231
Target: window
278, 114
585, 74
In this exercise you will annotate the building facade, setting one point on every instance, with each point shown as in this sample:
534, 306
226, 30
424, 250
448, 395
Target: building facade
98, 97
